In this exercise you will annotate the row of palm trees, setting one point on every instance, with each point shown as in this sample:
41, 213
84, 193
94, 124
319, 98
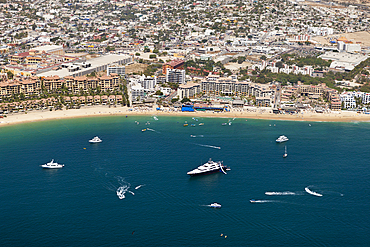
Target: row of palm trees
58, 102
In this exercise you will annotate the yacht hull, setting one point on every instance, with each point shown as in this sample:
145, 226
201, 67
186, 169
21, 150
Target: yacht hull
204, 173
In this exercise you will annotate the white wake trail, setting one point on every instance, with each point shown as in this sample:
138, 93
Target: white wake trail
263, 201
138, 187
123, 188
153, 130
284, 193
312, 192
208, 146
121, 192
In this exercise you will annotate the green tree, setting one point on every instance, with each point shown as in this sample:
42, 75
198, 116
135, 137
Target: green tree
159, 92
185, 100
10, 75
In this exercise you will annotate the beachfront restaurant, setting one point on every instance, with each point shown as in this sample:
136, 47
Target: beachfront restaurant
203, 107
208, 107
238, 103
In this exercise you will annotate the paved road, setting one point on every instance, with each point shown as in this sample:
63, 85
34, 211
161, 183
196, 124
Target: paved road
287, 51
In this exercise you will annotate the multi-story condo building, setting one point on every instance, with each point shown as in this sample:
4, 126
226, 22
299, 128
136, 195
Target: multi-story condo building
28, 87
75, 85
221, 86
189, 90
148, 82
215, 85
119, 70
175, 76
174, 64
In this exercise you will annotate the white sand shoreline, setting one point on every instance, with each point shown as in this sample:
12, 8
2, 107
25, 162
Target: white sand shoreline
93, 111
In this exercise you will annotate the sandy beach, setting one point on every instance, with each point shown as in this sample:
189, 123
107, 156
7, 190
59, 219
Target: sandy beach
92, 111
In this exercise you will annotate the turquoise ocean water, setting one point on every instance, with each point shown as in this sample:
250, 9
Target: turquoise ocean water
78, 205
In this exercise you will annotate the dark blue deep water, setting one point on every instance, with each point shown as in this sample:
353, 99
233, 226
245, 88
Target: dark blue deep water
78, 205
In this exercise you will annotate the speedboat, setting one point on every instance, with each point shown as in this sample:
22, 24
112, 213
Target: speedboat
252, 201
186, 124
282, 138
143, 130
192, 125
285, 154
201, 124
215, 205
95, 140
52, 165
207, 168
224, 124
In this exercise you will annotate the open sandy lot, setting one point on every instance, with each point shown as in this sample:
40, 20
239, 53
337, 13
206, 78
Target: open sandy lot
363, 37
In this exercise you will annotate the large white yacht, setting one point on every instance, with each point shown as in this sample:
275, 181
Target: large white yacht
95, 140
52, 165
209, 167
282, 139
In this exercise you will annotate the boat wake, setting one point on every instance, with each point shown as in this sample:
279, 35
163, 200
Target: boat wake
284, 193
123, 188
312, 192
113, 183
208, 146
194, 136
138, 187
153, 130
121, 191
263, 201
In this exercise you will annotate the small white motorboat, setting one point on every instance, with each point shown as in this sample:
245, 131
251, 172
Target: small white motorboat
215, 205
52, 165
285, 154
282, 138
95, 140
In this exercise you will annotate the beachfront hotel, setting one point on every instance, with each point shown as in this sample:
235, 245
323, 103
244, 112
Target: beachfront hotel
214, 85
32, 86
27, 87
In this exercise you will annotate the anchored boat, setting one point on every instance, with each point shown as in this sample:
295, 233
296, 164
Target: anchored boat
207, 168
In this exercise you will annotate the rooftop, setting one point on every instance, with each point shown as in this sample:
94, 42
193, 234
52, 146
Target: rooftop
95, 63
